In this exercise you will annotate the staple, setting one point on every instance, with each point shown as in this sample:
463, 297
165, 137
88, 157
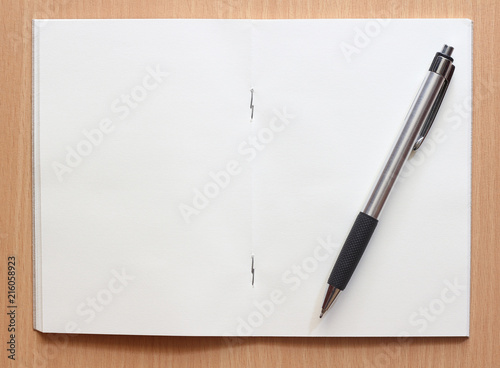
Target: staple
252, 270
251, 104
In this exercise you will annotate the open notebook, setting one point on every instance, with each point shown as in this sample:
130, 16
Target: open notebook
199, 177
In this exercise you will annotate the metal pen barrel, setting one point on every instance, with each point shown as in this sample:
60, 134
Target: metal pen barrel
420, 113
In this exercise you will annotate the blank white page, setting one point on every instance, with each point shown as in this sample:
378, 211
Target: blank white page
349, 85
118, 210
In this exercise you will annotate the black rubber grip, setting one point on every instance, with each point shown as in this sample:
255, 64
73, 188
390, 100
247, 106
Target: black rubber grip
353, 249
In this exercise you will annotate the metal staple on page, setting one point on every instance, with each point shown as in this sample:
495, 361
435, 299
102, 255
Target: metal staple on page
252, 270
251, 104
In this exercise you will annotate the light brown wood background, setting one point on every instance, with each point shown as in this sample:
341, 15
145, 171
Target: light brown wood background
34, 349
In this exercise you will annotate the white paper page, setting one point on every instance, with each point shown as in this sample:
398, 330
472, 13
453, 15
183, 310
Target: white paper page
349, 85
117, 211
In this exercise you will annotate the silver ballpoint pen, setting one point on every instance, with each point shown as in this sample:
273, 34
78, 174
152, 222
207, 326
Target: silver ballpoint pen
417, 123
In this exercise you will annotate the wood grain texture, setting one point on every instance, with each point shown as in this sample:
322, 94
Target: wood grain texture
44, 350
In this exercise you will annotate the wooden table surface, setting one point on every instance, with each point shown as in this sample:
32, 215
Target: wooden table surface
35, 349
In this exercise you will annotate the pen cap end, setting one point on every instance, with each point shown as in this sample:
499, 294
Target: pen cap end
447, 50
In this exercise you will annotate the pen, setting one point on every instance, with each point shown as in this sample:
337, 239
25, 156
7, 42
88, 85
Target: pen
417, 124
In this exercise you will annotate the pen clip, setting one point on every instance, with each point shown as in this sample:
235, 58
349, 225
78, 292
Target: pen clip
443, 65
430, 118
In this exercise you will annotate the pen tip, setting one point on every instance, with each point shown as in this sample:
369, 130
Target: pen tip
330, 297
